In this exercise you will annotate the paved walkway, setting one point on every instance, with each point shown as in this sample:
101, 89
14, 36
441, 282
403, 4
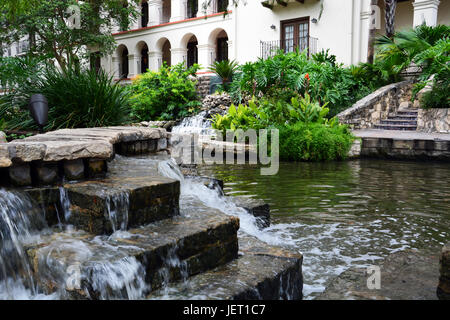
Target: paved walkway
400, 135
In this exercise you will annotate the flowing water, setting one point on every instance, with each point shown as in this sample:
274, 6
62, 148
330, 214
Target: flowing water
343, 214
197, 124
337, 214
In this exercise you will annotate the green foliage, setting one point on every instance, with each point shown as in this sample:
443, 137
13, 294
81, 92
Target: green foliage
285, 76
314, 142
271, 113
438, 97
16, 71
76, 99
224, 69
164, 95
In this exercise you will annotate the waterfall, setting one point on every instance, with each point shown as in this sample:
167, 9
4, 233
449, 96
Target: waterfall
213, 198
20, 221
198, 124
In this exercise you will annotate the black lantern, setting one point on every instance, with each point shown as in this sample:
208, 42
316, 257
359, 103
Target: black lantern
39, 110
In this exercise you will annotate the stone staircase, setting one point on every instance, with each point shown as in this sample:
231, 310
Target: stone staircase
405, 120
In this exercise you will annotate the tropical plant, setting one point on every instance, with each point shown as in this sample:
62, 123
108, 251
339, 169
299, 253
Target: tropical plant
168, 94
285, 76
225, 69
76, 98
15, 71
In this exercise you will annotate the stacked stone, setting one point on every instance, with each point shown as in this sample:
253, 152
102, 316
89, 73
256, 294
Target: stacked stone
434, 120
203, 85
216, 104
443, 290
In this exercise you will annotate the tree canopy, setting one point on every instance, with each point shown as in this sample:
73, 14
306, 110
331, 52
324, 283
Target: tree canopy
46, 23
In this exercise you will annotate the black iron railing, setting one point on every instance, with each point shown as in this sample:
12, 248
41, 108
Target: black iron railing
270, 48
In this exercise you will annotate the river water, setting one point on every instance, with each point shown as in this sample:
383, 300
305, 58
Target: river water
343, 214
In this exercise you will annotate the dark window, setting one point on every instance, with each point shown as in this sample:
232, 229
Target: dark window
295, 34
144, 13
222, 5
222, 49
124, 64
192, 54
192, 8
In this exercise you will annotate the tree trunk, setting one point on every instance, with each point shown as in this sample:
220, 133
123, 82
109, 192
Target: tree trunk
390, 7
372, 36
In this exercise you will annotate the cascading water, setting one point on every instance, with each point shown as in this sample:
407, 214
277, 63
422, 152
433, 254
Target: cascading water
20, 221
197, 124
192, 191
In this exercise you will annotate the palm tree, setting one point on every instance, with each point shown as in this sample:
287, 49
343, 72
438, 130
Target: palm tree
390, 6
372, 36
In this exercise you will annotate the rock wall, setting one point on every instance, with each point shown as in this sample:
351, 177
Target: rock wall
443, 290
378, 105
434, 120
203, 85
216, 104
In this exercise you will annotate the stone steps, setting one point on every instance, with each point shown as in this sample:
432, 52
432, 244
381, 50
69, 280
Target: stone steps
103, 206
261, 272
396, 127
404, 120
399, 122
165, 251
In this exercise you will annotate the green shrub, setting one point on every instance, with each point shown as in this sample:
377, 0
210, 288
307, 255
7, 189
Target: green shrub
76, 99
314, 142
270, 113
164, 95
285, 76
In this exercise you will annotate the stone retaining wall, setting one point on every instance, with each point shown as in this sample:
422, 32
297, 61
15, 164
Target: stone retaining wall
377, 105
434, 120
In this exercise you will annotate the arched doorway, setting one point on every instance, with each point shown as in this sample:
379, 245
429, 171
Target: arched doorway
144, 59
166, 53
123, 62
222, 46
192, 52
144, 14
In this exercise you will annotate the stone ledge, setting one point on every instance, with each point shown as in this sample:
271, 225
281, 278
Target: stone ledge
443, 290
62, 149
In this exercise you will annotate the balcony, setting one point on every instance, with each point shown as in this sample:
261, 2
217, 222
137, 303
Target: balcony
270, 48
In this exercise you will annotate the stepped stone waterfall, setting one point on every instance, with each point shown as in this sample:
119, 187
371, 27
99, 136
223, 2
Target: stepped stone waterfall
137, 230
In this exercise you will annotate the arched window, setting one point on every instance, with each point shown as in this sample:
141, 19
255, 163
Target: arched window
166, 53
144, 14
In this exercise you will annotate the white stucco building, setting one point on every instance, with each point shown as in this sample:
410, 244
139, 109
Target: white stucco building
186, 31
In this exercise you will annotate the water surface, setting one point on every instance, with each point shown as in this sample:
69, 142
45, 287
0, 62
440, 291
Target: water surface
354, 213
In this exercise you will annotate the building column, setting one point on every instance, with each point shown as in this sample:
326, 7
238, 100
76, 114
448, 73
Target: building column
205, 55
178, 55
177, 8
154, 60
132, 65
115, 67
154, 12
425, 11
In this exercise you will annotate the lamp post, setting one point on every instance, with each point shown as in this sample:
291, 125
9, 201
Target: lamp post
39, 110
